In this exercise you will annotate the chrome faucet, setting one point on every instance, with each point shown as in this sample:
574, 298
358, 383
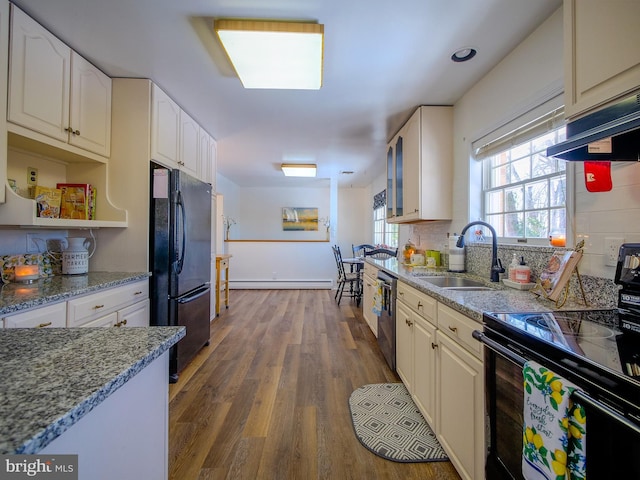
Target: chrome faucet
496, 264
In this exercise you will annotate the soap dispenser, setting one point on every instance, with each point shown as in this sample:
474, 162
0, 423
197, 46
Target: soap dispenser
523, 272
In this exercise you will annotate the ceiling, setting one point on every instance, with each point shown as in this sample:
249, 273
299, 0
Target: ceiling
381, 60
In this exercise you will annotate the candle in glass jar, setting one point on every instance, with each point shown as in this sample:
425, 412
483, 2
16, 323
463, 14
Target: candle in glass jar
558, 240
24, 273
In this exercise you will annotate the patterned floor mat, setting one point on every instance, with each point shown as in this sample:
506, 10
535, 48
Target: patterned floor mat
388, 423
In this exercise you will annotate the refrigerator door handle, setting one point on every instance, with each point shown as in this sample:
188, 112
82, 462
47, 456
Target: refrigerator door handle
197, 294
179, 263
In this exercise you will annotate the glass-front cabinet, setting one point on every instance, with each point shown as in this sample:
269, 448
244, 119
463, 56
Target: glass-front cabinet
420, 167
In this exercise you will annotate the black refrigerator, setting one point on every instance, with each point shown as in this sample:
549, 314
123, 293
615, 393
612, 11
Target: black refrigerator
180, 260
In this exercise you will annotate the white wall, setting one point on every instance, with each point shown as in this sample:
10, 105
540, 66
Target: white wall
291, 259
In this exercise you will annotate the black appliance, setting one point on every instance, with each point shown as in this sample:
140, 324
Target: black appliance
587, 348
387, 318
628, 276
180, 259
620, 121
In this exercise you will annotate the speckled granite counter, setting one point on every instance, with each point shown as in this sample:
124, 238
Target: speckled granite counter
53, 377
15, 296
471, 303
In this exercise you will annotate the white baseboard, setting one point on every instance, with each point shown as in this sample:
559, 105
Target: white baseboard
319, 284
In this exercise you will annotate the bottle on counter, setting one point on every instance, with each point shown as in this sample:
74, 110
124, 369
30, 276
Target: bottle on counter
513, 266
523, 272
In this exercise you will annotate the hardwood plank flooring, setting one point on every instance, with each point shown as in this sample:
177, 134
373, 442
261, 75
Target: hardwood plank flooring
268, 398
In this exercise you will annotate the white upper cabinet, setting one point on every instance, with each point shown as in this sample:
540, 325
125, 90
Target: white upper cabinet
420, 167
175, 136
55, 92
189, 144
165, 129
602, 59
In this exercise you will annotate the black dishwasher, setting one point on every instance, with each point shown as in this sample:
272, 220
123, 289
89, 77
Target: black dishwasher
387, 318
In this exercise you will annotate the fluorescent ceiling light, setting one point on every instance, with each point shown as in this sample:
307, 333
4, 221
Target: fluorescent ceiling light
299, 169
279, 55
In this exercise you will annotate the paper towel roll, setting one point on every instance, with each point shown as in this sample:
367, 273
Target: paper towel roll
456, 255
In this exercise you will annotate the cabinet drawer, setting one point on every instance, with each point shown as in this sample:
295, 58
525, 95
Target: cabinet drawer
459, 328
49, 316
136, 315
103, 322
370, 270
422, 304
97, 305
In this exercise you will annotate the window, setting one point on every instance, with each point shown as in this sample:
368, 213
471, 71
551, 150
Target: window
383, 233
525, 191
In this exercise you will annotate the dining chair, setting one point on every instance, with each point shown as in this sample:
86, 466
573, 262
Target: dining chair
359, 250
381, 253
344, 278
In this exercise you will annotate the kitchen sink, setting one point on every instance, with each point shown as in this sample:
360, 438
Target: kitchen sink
456, 283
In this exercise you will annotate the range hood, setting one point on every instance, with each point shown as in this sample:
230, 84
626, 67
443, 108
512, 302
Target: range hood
620, 122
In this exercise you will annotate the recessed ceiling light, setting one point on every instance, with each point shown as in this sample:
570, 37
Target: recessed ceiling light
463, 54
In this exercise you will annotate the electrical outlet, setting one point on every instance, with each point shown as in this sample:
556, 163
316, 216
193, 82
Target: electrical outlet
611, 249
32, 176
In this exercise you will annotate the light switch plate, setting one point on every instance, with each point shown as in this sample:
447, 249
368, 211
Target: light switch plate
611, 249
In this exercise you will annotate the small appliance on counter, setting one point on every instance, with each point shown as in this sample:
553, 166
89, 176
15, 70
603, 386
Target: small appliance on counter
456, 255
628, 276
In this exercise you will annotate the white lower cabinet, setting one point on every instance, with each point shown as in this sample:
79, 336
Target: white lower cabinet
369, 285
44, 317
441, 365
126, 305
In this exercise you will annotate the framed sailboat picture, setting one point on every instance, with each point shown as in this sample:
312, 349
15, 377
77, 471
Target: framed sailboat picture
299, 219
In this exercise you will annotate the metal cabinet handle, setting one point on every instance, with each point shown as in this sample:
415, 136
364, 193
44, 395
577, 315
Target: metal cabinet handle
120, 324
42, 325
76, 132
98, 306
453, 329
138, 293
408, 322
401, 294
420, 304
434, 345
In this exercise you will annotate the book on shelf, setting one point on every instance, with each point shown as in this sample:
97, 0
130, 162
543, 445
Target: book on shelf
558, 272
78, 201
47, 201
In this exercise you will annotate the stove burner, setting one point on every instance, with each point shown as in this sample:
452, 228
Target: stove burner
568, 325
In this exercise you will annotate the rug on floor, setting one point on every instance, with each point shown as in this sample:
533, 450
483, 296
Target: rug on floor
388, 423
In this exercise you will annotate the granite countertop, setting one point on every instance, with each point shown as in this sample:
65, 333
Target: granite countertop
16, 296
471, 303
53, 377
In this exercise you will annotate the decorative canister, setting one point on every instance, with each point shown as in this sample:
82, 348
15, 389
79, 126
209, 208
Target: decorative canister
75, 257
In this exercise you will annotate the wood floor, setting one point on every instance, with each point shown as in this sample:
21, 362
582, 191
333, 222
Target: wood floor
268, 399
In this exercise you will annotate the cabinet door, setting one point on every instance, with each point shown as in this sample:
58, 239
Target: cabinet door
410, 169
369, 289
404, 345
424, 369
189, 144
390, 183
601, 52
39, 78
204, 165
4, 63
49, 316
90, 120
213, 164
136, 315
165, 129
460, 408
398, 178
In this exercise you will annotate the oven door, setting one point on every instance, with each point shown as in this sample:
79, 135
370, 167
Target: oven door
613, 438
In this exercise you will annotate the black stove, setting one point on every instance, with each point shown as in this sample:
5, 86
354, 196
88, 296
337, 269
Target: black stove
584, 341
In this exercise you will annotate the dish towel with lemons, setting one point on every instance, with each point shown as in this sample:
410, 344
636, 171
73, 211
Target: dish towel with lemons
377, 299
554, 436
